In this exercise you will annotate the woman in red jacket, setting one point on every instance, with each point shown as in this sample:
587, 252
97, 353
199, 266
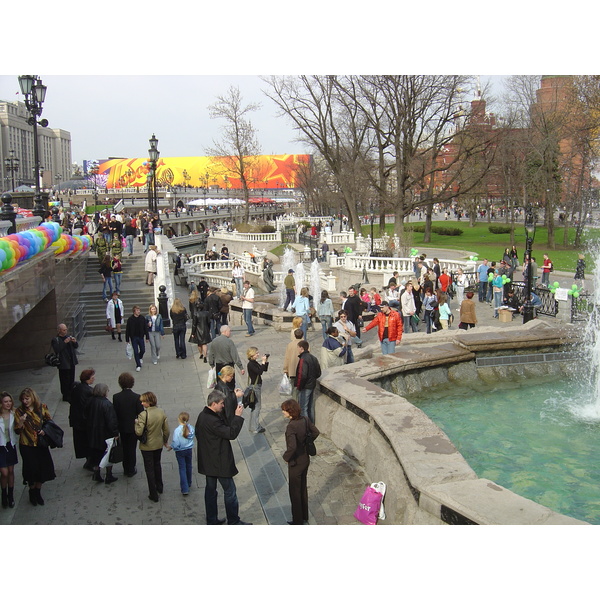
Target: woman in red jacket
389, 328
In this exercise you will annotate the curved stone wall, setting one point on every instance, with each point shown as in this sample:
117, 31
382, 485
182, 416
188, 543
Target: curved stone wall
428, 480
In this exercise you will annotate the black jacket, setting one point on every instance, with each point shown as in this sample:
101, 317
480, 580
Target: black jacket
307, 371
213, 305
80, 398
66, 352
127, 407
215, 455
101, 420
136, 327
354, 307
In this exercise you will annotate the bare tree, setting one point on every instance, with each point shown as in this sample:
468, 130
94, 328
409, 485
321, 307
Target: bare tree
238, 146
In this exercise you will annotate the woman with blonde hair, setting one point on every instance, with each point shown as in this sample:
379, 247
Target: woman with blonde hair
38, 466
302, 308
238, 277
255, 370
296, 324
156, 331
153, 422
233, 397
8, 449
179, 318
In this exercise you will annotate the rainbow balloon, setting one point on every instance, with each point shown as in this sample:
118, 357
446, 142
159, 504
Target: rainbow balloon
18, 247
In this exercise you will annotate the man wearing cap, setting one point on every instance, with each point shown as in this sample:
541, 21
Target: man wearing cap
290, 289
389, 328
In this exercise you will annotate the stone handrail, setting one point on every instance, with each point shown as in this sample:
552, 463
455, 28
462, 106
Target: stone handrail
262, 238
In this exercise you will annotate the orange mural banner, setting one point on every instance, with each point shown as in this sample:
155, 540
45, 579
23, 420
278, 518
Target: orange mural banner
274, 171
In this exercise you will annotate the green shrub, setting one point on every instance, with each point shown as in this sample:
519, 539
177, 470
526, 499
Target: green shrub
499, 229
267, 229
447, 230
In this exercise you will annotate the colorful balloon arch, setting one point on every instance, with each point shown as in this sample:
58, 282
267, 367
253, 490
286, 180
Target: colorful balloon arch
17, 247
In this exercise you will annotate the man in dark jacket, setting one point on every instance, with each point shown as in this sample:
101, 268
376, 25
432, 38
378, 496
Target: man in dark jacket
202, 288
354, 307
213, 305
135, 332
127, 406
215, 458
307, 373
64, 345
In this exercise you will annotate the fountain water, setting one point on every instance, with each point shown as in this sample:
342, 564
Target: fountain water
315, 282
288, 262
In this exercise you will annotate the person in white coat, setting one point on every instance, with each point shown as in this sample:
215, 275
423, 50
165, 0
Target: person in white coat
8, 449
114, 315
150, 264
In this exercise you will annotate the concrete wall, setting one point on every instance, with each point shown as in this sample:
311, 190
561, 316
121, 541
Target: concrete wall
428, 480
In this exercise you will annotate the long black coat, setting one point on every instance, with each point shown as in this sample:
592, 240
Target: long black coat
101, 421
127, 406
80, 398
215, 455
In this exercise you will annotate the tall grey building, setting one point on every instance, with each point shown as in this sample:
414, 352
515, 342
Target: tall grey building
16, 134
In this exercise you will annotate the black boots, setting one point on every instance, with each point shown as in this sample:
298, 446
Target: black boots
97, 477
120, 337
35, 496
112, 333
11, 497
109, 476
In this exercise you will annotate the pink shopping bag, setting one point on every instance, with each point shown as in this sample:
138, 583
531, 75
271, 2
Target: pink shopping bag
368, 507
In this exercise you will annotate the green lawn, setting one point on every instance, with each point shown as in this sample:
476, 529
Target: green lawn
478, 240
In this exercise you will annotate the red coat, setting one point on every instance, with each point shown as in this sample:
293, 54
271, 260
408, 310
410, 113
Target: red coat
395, 328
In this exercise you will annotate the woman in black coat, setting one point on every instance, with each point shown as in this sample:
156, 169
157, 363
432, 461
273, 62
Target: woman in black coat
296, 456
200, 324
80, 398
102, 424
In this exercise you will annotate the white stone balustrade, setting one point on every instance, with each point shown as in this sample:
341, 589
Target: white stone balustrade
261, 238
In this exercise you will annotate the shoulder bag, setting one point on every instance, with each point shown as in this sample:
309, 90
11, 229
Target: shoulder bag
309, 441
249, 397
52, 359
144, 437
53, 434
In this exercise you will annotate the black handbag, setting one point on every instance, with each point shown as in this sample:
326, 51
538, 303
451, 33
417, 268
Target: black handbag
309, 441
116, 452
53, 435
52, 359
144, 437
249, 397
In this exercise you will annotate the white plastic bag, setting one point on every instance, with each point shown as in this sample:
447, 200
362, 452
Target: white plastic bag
104, 462
380, 487
212, 378
285, 387
129, 351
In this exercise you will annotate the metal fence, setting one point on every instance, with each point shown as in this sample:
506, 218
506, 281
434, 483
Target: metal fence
582, 307
549, 303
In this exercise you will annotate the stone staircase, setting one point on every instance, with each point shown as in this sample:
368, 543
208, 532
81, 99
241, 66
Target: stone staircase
133, 291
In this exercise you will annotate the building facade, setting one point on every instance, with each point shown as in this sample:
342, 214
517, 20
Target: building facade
16, 134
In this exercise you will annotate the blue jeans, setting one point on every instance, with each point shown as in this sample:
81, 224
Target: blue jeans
117, 278
409, 325
184, 461
248, 319
215, 328
230, 496
349, 355
326, 321
130, 244
139, 349
497, 302
107, 282
304, 325
388, 347
546, 278
428, 318
305, 400
179, 339
290, 296
482, 290
239, 285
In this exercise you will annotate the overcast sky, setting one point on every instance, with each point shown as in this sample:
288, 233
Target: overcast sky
116, 115
87, 64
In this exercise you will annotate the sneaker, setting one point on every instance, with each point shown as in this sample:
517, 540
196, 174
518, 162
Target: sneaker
158, 357
154, 362
138, 368
141, 362
260, 430
249, 334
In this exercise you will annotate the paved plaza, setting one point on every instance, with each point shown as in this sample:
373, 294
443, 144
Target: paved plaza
335, 481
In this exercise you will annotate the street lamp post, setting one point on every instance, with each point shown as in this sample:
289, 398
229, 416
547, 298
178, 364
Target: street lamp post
11, 165
528, 309
153, 153
34, 92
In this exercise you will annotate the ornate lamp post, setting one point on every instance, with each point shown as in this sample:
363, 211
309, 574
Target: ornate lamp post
34, 92
153, 153
530, 235
11, 165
